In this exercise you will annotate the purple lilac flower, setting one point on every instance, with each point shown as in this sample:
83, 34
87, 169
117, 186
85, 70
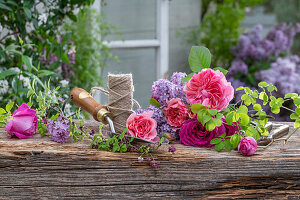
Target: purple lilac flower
176, 78
172, 149
238, 66
59, 130
162, 125
154, 164
163, 89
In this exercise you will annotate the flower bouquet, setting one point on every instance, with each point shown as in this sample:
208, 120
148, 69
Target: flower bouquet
194, 109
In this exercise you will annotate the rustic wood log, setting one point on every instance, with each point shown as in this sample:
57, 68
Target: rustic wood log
38, 168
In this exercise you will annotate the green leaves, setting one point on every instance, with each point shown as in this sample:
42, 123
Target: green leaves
252, 132
222, 142
155, 103
28, 62
7, 73
199, 58
204, 116
9, 106
235, 140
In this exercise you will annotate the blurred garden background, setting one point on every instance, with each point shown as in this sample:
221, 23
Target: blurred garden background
76, 43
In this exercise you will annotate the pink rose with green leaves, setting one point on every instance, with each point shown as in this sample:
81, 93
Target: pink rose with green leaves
24, 122
142, 126
209, 87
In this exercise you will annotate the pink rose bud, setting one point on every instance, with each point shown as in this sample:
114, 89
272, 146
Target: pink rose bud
24, 122
142, 126
247, 146
209, 87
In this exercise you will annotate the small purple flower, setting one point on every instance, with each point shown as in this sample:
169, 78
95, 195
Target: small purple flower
154, 164
172, 149
59, 130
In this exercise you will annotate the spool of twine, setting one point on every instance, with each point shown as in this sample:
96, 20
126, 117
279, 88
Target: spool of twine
120, 99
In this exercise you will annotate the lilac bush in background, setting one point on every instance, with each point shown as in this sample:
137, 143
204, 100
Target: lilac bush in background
266, 58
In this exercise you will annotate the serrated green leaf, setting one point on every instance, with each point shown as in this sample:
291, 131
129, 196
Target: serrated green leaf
196, 107
257, 107
2, 111
228, 145
216, 141
297, 101
212, 111
203, 117
210, 125
275, 109
9, 106
239, 88
294, 116
290, 95
252, 132
297, 124
218, 122
229, 117
235, 140
219, 147
242, 110
245, 119
297, 111
155, 103
262, 84
199, 58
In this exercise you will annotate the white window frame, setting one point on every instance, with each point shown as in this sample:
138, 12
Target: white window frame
161, 43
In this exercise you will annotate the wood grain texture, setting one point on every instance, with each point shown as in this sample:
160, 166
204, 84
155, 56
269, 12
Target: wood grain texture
39, 168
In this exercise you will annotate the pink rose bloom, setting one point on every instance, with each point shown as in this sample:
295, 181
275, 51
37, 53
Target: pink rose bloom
209, 87
176, 113
247, 146
142, 126
192, 133
24, 122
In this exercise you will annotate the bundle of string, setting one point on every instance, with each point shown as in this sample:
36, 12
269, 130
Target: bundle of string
120, 98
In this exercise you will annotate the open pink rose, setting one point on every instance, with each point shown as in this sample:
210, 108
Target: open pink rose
176, 113
192, 133
24, 122
142, 126
209, 87
247, 146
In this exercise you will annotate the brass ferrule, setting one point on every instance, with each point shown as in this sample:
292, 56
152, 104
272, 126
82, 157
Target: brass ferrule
102, 113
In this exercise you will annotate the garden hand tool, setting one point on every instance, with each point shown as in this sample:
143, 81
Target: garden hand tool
277, 131
100, 113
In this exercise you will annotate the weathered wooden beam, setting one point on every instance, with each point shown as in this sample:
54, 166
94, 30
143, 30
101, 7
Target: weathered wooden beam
39, 168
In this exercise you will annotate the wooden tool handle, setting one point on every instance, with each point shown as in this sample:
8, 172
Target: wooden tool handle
84, 100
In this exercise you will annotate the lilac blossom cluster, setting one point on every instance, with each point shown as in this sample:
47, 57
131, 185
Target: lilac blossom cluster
164, 90
59, 130
252, 48
284, 74
252, 45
